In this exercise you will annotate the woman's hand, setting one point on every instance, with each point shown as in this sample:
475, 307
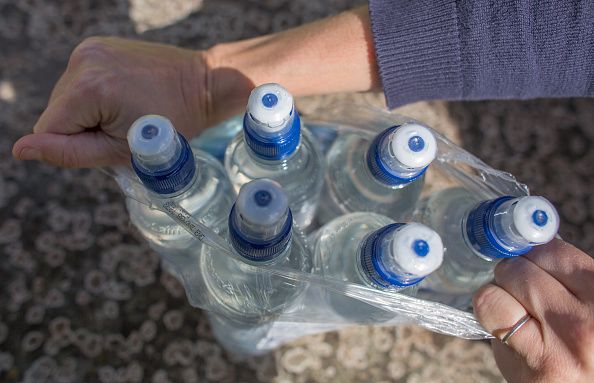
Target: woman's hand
554, 284
109, 83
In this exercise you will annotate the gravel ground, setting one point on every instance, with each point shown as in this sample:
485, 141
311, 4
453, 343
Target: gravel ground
84, 300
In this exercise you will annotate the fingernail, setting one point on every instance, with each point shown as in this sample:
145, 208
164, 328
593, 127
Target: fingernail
30, 154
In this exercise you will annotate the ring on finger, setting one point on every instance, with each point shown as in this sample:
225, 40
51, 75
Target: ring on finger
515, 328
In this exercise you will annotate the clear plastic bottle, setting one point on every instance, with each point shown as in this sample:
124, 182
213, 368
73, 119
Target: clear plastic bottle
274, 145
260, 229
167, 167
215, 139
477, 234
371, 250
383, 176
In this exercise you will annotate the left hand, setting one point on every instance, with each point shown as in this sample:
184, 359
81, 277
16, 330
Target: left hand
110, 82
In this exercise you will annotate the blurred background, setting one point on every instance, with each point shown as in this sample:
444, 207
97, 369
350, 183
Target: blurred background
83, 299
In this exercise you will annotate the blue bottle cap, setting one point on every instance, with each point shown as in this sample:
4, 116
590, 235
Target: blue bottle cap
481, 234
260, 221
271, 125
400, 255
401, 154
161, 157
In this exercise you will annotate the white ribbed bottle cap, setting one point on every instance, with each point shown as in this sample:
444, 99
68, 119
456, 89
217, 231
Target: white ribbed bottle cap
153, 140
413, 145
417, 249
270, 106
536, 219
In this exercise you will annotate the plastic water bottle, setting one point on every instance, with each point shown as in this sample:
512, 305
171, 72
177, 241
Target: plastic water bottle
384, 176
479, 233
371, 250
167, 167
260, 229
215, 139
274, 145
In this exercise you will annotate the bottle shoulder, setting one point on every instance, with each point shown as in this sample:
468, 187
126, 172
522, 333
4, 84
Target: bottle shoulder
307, 154
337, 245
363, 219
204, 159
301, 175
347, 158
446, 206
349, 146
208, 199
350, 185
249, 292
299, 257
345, 232
235, 146
309, 143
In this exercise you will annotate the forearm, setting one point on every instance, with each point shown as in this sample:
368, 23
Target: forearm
331, 55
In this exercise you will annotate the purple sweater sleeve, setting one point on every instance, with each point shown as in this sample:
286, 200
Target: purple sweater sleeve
483, 49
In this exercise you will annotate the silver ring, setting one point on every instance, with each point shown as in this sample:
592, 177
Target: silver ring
516, 327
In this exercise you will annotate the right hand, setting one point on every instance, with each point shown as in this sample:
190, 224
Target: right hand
554, 284
109, 83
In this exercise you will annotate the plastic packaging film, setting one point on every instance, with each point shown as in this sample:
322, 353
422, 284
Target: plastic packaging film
310, 313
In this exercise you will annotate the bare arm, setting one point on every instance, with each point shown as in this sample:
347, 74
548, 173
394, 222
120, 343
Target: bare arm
331, 55
110, 82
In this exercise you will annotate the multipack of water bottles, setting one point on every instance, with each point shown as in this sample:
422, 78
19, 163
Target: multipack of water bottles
280, 226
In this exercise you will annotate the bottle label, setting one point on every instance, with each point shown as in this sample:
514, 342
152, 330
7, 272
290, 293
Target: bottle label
198, 230
182, 217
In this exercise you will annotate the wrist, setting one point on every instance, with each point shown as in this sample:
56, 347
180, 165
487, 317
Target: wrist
231, 76
331, 55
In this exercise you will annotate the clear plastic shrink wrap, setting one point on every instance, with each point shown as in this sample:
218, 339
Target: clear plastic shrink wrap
309, 310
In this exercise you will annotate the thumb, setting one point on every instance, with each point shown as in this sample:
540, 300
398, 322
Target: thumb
85, 149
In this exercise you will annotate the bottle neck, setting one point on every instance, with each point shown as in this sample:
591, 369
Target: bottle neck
263, 250
186, 191
278, 260
489, 230
272, 146
505, 229
273, 163
173, 178
373, 251
383, 165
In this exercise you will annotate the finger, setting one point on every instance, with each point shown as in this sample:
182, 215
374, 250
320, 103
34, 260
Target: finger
86, 149
68, 114
61, 86
534, 288
498, 312
567, 264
